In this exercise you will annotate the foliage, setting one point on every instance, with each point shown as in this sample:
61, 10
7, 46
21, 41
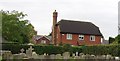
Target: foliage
111, 40
15, 28
95, 49
67, 48
117, 39
0, 24
102, 50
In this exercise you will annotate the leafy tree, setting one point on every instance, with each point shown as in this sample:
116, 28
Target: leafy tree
117, 39
111, 40
15, 28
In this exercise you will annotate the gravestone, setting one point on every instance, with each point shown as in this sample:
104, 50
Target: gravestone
58, 56
22, 50
117, 58
109, 57
44, 54
73, 55
35, 55
76, 53
17, 56
52, 56
92, 56
7, 55
66, 55
29, 52
100, 57
81, 55
103, 57
23, 55
87, 56
41, 57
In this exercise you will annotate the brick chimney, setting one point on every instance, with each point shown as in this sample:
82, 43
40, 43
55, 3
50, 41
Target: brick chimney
54, 29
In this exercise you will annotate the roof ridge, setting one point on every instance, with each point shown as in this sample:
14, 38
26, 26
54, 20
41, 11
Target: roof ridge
75, 21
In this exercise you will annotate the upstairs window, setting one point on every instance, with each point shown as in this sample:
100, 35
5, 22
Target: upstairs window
81, 37
43, 42
92, 38
69, 36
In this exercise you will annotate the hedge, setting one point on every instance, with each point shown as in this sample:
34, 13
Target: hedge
102, 50
50, 49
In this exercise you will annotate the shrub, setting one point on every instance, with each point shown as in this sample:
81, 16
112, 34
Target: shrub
50, 49
67, 48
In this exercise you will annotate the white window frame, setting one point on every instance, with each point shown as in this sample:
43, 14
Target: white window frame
43, 42
69, 36
92, 38
81, 37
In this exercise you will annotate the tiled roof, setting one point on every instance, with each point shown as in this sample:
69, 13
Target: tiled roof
78, 27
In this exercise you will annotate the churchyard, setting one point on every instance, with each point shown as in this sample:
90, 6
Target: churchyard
30, 54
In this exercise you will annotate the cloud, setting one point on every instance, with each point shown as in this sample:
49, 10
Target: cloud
103, 13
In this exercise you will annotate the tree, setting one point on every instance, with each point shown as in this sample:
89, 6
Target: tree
111, 40
117, 39
15, 28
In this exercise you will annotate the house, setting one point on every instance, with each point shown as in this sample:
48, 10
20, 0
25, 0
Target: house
40, 39
75, 32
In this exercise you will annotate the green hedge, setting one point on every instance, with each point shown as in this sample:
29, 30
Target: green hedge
50, 49
102, 50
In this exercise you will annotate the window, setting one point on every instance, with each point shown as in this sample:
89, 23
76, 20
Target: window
92, 38
43, 42
81, 37
69, 36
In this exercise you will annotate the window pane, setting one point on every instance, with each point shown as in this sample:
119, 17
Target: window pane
92, 38
69, 36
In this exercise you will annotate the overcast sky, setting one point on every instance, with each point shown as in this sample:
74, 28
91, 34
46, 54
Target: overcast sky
103, 13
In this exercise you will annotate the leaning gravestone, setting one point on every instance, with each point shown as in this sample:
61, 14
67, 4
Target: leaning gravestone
66, 55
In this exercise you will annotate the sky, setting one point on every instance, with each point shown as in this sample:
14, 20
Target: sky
102, 13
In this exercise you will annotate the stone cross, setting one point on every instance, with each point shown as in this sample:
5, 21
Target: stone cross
29, 52
31, 48
22, 50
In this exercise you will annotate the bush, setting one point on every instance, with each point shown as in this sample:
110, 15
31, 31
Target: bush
67, 48
102, 50
50, 49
